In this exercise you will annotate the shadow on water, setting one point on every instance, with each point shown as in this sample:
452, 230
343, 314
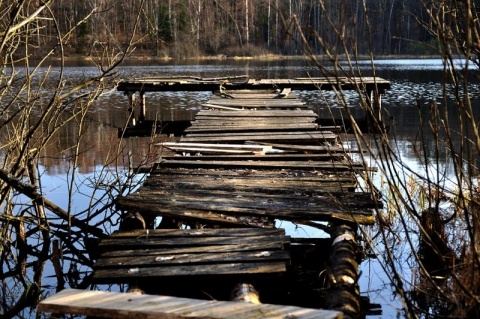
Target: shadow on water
31, 268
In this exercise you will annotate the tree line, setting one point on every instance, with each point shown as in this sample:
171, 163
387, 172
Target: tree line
184, 28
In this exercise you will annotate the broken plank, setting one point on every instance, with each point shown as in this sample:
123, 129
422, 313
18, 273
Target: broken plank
249, 147
308, 148
220, 107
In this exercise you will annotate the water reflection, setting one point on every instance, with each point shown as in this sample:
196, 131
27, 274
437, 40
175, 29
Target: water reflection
415, 83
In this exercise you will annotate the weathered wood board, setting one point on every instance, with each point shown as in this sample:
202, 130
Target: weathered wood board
100, 304
308, 137
278, 179
228, 195
197, 252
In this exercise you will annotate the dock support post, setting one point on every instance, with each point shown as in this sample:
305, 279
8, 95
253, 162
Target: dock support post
343, 293
143, 107
131, 109
374, 112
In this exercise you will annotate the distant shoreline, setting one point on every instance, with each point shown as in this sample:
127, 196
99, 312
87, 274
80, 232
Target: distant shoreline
267, 57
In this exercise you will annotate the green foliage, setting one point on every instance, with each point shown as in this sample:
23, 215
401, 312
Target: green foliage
164, 25
423, 48
83, 30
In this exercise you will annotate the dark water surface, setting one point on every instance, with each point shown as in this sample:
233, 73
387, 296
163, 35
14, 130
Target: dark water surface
414, 83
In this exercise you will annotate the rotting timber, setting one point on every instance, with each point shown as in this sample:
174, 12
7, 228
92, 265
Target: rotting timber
253, 159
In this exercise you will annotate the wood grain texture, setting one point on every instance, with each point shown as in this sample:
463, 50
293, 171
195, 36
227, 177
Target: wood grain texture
129, 306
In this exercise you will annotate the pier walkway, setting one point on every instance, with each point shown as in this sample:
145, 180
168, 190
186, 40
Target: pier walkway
250, 161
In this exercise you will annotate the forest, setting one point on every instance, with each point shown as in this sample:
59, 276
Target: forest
186, 28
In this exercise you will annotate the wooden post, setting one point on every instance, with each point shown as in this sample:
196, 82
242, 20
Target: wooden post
245, 293
131, 109
343, 294
143, 108
374, 113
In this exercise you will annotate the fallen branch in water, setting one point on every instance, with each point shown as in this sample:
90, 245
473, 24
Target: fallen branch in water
31, 192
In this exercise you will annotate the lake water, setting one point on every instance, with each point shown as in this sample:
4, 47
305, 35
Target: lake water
414, 82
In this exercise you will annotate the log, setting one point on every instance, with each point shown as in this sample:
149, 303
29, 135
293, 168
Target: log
343, 292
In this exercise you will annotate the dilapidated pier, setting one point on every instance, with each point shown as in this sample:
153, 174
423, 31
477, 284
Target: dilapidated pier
253, 160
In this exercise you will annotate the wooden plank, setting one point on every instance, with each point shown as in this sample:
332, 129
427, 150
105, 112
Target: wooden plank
158, 252
257, 113
232, 120
209, 150
254, 182
257, 102
348, 200
207, 232
129, 306
220, 107
320, 165
308, 148
189, 210
190, 252
125, 274
311, 135
192, 259
255, 127
286, 137
255, 174
274, 205
285, 92
236, 121
250, 147
282, 187
268, 157
233, 106
146, 241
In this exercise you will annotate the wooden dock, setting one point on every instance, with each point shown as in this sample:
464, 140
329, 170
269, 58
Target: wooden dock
250, 160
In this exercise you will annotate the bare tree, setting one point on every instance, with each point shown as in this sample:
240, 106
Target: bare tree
37, 101
431, 221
